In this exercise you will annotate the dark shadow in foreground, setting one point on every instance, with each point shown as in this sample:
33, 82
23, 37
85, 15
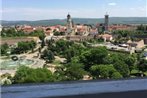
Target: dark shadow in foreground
129, 94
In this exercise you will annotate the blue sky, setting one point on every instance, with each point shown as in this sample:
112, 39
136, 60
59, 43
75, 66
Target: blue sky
58, 9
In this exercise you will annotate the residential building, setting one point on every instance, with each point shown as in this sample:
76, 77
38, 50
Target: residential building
106, 37
28, 29
82, 30
137, 44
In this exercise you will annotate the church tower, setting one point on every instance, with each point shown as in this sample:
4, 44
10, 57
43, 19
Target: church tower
69, 25
106, 22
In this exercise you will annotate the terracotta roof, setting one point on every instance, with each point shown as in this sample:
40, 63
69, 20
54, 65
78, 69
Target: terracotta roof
28, 29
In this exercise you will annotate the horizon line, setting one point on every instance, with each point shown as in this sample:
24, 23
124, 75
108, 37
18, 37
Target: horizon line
78, 18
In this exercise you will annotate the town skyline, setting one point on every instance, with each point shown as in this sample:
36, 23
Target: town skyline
28, 10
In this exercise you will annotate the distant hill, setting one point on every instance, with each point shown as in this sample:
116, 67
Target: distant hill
113, 20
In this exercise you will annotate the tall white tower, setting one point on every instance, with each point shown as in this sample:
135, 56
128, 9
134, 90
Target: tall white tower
69, 25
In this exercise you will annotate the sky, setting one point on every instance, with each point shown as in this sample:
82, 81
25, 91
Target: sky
58, 9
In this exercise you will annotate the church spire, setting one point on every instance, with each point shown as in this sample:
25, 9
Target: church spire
106, 13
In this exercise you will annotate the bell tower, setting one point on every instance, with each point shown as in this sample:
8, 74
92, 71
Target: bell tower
106, 21
69, 25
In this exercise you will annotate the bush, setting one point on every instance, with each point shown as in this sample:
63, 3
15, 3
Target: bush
104, 71
122, 68
116, 75
71, 71
28, 75
4, 49
24, 47
48, 55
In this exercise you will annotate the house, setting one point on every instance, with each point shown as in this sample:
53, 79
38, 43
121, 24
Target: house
136, 44
106, 37
93, 32
48, 33
82, 30
28, 29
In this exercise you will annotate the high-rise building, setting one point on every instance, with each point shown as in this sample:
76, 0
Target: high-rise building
106, 22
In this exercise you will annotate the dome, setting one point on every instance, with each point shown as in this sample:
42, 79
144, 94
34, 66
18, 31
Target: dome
68, 15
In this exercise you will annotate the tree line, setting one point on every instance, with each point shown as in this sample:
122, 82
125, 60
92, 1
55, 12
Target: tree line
98, 63
12, 32
21, 47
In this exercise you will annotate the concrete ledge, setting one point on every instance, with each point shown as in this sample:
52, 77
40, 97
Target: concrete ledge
125, 88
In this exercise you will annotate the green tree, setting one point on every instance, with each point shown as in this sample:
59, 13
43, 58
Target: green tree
143, 65
93, 56
71, 71
24, 47
48, 55
122, 68
74, 71
141, 27
60, 73
3, 32
61, 46
28, 75
130, 61
62, 33
41, 35
104, 71
10, 32
4, 49
37, 33
57, 33
72, 51
116, 75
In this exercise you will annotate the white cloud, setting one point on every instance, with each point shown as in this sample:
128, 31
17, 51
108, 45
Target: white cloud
112, 4
132, 8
